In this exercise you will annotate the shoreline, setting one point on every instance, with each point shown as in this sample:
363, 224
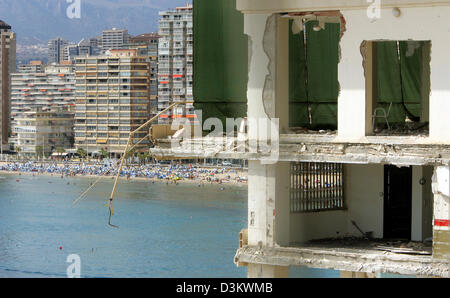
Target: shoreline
196, 181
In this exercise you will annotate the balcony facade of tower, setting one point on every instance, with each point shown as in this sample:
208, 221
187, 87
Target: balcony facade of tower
112, 100
54, 87
7, 66
175, 64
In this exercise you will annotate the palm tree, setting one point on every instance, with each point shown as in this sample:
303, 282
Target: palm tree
39, 151
103, 153
18, 150
129, 154
60, 150
147, 155
81, 152
141, 156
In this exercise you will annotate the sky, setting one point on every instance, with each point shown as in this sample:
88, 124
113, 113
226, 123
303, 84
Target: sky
37, 21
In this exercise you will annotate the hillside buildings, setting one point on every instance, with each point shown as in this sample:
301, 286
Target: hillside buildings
112, 100
175, 63
7, 66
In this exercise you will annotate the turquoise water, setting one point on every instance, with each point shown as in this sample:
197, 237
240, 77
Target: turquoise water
165, 230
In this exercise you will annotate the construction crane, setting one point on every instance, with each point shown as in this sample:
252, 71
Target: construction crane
128, 148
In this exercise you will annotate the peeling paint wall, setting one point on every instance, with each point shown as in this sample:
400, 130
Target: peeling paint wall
269, 46
255, 28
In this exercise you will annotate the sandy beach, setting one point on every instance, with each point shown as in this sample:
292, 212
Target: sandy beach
154, 173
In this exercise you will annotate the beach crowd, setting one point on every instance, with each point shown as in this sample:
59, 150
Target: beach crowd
151, 171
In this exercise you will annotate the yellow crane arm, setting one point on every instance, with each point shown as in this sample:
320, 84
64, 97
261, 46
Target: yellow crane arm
127, 149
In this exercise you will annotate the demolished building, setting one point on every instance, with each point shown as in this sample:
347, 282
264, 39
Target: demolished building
360, 178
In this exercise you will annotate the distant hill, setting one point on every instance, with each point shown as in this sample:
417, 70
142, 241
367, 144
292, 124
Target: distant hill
37, 21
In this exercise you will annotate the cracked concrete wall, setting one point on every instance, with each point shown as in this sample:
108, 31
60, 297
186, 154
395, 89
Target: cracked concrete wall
268, 98
269, 47
255, 27
268, 204
268, 85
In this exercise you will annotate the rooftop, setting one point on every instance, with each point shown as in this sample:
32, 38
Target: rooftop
3, 25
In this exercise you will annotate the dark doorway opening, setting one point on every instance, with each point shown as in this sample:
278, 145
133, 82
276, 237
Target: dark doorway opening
397, 202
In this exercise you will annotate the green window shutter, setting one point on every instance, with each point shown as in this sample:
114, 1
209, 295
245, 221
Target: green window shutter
313, 78
392, 85
220, 60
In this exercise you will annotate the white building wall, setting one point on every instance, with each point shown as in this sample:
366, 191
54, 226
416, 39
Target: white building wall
417, 23
363, 188
422, 203
364, 198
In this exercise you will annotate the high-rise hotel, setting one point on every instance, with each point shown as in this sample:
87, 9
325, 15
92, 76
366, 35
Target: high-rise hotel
112, 99
37, 90
7, 66
175, 68
56, 48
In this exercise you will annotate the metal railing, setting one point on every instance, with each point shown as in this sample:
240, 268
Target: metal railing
316, 187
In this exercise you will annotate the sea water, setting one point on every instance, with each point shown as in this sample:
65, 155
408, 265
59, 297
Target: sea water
175, 231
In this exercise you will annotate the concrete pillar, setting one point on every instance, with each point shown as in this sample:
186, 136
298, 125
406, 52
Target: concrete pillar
422, 209
267, 271
369, 50
441, 213
425, 89
268, 204
352, 107
268, 85
268, 99
351, 274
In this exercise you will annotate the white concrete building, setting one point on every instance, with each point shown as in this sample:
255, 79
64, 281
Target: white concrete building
7, 66
114, 39
31, 67
112, 99
40, 133
335, 191
175, 63
53, 87
56, 48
